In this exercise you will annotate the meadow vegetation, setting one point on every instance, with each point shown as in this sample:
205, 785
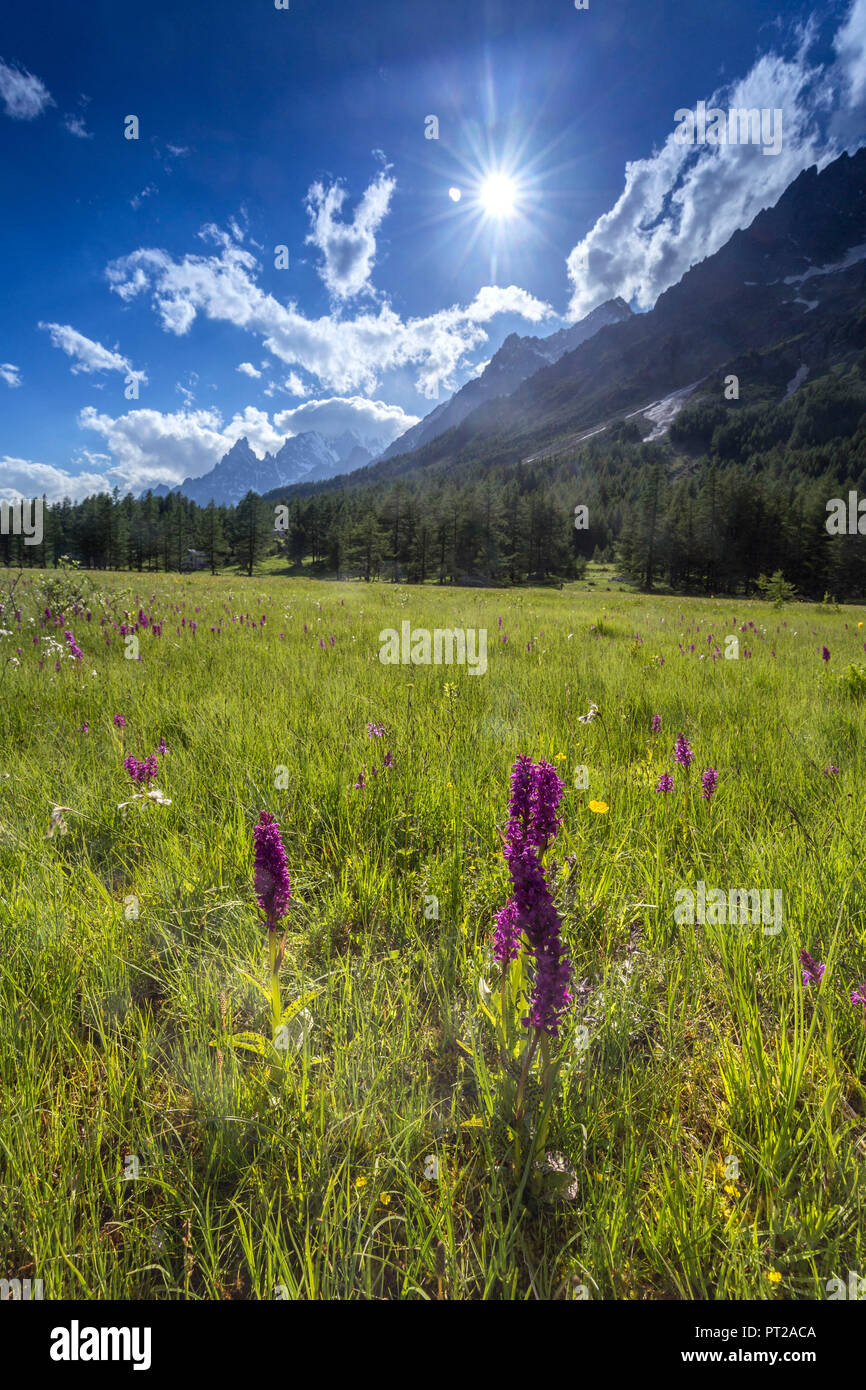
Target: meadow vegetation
706, 1134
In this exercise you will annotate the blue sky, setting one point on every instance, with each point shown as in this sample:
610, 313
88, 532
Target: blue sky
149, 264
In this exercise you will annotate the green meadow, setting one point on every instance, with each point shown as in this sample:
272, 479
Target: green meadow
706, 1134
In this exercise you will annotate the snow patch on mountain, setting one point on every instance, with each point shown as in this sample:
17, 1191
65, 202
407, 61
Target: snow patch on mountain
662, 414
796, 380
851, 257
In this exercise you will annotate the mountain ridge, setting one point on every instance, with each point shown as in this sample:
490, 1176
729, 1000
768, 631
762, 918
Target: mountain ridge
516, 359
308, 456
734, 303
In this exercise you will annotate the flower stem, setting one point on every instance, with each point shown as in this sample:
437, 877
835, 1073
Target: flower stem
518, 1112
275, 981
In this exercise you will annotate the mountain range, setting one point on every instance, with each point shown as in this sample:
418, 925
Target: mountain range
517, 359
307, 457
791, 287
311, 458
787, 294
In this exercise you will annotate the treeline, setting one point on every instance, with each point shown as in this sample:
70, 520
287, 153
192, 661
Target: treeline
489, 534
755, 499
111, 532
734, 491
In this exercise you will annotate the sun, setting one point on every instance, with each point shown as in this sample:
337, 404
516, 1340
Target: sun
497, 195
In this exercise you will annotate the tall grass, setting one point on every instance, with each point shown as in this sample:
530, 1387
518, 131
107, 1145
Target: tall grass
708, 1136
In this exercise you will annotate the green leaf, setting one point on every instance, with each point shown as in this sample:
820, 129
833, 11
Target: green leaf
484, 1009
297, 1004
256, 985
248, 1042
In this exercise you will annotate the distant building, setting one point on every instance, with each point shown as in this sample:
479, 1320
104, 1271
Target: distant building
194, 560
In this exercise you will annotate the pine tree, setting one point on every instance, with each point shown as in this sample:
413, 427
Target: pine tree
251, 531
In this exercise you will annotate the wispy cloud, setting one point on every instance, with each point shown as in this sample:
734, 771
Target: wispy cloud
348, 248
849, 118
187, 389
75, 125
10, 374
248, 369
88, 355
23, 95
138, 198
344, 354
684, 202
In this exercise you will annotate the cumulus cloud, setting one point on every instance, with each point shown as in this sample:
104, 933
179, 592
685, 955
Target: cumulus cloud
23, 95
685, 201
334, 415
88, 355
248, 369
348, 248
24, 478
150, 447
295, 386
10, 374
343, 354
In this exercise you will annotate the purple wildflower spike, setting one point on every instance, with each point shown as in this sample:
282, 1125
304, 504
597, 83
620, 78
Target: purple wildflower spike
813, 970
273, 887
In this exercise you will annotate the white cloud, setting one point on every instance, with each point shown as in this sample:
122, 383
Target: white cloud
684, 202
248, 369
152, 447
849, 120
75, 125
10, 374
331, 417
88, 355
24, 478
149, 447
295, 386
343, 354
348, 248
138, 198
187, 390
23, 95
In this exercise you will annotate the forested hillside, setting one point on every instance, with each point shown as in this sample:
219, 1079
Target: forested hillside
737, 489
